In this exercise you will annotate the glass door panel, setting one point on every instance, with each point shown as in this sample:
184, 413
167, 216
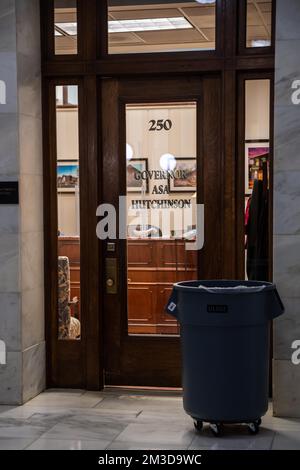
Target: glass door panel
68, 212
161, 160
257, 179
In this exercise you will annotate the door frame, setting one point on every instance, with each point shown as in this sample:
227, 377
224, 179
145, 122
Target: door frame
79, 363
121, 348
88, 67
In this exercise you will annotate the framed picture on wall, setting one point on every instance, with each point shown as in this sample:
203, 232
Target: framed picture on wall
137, 179
187, 176
67, 176
256, 154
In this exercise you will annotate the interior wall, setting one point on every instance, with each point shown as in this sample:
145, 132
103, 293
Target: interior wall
67, 150
21, 225
257, 109
67, 134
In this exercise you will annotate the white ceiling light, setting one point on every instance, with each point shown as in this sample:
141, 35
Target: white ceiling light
68, 28
205, 1
260, 43
167, 162
148, 24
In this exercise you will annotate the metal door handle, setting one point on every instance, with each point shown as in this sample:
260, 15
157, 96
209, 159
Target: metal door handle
110, 282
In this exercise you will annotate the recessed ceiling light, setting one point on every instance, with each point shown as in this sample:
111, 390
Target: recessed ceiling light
205, 1
68, 28
148, 24
260, 43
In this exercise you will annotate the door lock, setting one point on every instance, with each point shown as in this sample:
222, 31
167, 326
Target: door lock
111, 266
110, 282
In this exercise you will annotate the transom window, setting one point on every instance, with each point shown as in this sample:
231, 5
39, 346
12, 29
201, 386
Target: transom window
259, 23
161, 26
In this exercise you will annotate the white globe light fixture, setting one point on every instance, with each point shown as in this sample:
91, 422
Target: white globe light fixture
167, 162
129, 152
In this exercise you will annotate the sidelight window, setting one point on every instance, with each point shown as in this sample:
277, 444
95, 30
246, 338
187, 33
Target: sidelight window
68, 212
257, 178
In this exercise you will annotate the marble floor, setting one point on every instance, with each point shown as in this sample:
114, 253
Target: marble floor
119, 419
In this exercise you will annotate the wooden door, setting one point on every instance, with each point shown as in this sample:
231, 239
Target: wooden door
161, 142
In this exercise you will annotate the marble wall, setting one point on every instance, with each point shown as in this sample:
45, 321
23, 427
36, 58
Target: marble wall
21, 227
287, 208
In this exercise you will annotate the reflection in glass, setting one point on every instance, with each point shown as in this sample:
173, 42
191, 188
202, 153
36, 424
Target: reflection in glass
67, 95
160, 26
257, 179
65, 26
161, 204
68, 213
259, 23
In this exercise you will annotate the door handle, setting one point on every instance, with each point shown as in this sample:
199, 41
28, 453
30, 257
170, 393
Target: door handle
111, 275
110, 282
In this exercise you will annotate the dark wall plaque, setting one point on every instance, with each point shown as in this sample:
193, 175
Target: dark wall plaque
9, 192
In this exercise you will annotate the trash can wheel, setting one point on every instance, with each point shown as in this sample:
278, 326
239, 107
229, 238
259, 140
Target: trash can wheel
198, 425
254, 427
216, 429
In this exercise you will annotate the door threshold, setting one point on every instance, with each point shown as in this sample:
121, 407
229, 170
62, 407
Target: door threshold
144, 390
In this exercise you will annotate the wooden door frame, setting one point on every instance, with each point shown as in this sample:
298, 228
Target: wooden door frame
88, 67
77, 366
206, 91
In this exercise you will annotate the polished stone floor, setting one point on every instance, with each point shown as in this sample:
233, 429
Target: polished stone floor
118, 419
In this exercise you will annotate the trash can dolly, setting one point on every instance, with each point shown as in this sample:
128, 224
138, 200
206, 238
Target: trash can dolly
225, 343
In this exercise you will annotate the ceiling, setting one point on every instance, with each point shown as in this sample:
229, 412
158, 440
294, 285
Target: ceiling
199, 33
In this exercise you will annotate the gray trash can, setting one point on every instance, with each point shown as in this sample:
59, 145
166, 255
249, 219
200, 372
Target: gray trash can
225, 340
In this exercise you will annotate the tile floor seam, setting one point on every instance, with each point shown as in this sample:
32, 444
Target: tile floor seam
54, 438
273, 439
108, 445
115, 438
49, 429
60, 421
26, 447
98, 403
